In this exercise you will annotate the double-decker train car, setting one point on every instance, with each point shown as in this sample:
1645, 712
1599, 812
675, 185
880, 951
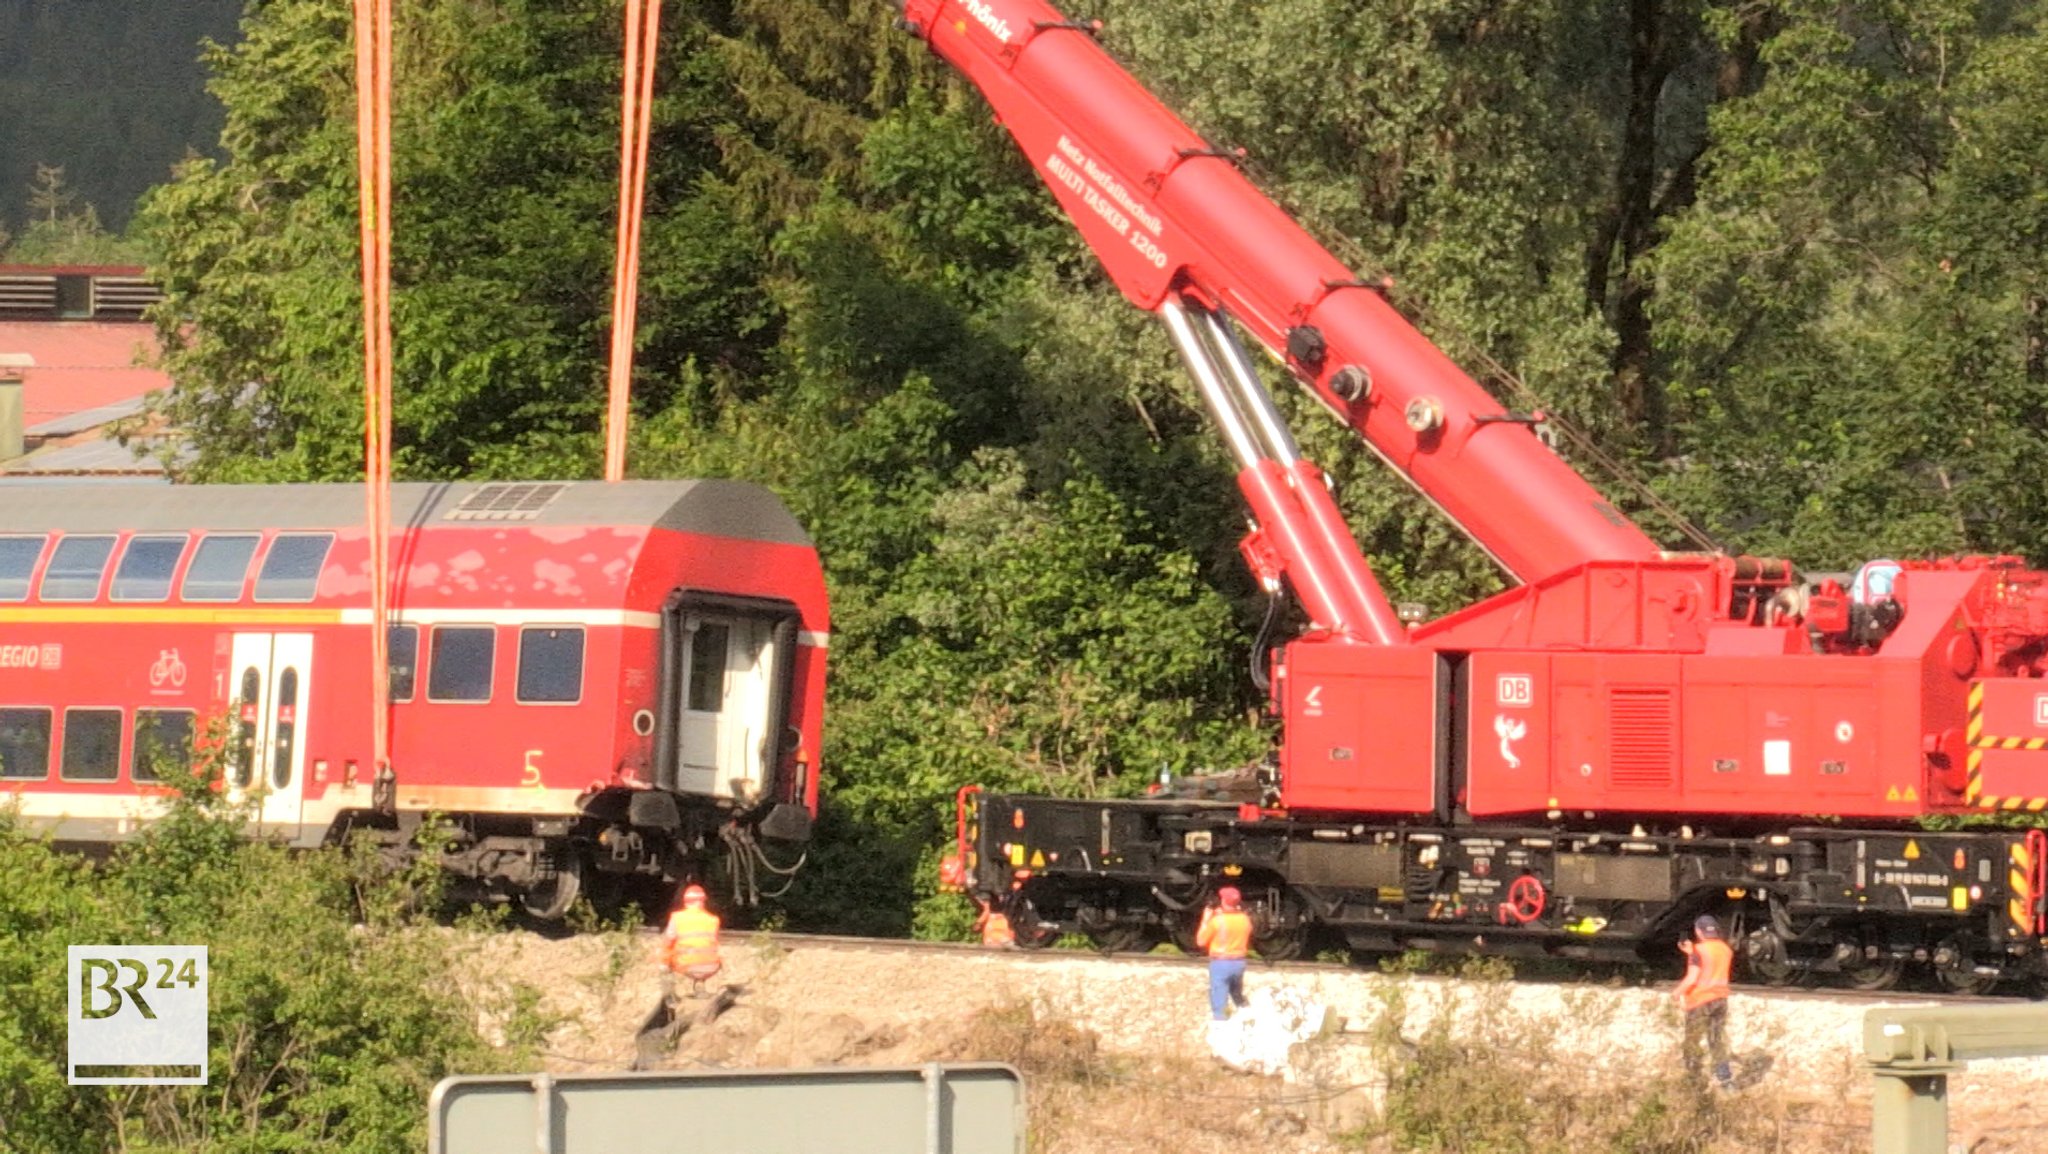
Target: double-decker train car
593, 683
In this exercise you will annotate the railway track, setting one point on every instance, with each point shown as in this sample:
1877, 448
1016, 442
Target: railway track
1616, 976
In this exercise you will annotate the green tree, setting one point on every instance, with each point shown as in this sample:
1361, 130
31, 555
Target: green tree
1847, 329
62, 230
505, 185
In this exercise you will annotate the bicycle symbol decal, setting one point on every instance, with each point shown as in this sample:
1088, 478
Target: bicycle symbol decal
169, 670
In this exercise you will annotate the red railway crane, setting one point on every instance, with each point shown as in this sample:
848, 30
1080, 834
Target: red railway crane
1577, 765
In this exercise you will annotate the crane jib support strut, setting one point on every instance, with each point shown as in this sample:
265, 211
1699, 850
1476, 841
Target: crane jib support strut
1286, 493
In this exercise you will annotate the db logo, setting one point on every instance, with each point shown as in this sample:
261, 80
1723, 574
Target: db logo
138, 1015
2041, 711
1515, 689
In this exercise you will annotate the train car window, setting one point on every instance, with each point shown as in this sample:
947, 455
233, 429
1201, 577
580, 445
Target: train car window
550, 665
402, 648
219, 569
462, 659
17, 564
163, 740
24, 744
291, 570
75, 569
707, 667
146, 567
285, 730
244, 768
92, 745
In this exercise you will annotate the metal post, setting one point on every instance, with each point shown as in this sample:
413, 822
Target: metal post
544, 1114
1909, 1113
1910, 1052
934, 1108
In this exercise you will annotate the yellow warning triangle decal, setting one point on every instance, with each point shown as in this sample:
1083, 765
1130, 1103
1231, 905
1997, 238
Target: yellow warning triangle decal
1912, 851
1038, 859
1912, 794
1892, 794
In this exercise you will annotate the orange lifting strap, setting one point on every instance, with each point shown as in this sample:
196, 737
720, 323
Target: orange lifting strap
373, 171
636, 116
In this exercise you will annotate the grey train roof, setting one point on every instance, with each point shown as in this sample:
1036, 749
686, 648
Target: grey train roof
716, 508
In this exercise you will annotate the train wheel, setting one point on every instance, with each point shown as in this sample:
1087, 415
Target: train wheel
1119, 938
550, 900
1768, 960
1283, 935
1955, 966
1181, 927
1864, 972
1282, 945
1032, 931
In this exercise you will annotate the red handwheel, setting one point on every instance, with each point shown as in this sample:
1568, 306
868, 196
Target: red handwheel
1525, 900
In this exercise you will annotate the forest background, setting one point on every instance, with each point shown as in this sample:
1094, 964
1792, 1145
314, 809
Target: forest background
1785, 262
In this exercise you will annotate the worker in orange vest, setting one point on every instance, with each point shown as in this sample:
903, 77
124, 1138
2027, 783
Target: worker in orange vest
1703, 995
995, 929
1226, 932
689, 946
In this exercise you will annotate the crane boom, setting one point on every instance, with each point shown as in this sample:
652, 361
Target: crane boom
1172, 218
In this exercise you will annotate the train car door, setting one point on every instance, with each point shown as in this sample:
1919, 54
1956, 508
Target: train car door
271, 677
728, 714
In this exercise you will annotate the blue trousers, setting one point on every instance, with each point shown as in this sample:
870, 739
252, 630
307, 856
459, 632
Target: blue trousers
1226, 985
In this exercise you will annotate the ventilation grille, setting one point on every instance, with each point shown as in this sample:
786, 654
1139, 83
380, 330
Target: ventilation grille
1642, 738
123, 297
507, 502
76, 296
32, 294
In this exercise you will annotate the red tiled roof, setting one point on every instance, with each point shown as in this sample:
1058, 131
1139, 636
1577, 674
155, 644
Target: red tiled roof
80, 365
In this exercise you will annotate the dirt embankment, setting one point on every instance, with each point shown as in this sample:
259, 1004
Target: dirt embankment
1115, 1057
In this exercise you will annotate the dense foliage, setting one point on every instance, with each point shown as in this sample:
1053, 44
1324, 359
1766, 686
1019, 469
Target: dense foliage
330, 1020
1783, 259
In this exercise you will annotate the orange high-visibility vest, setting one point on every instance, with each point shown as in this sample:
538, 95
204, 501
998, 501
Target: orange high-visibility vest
995, 930
691, 940
1706, 973
1227, 933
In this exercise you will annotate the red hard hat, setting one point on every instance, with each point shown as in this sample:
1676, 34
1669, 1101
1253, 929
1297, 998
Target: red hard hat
1229, 896
693, 896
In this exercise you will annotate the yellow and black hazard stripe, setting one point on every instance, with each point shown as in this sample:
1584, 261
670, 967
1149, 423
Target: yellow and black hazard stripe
2019, 885
1973, 734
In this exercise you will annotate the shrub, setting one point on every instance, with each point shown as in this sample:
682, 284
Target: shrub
327, 1032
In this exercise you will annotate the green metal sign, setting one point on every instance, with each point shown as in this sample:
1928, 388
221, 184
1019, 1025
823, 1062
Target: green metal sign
968, 1108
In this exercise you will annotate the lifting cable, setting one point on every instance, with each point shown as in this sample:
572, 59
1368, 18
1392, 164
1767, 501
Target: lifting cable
636, 116
373, 171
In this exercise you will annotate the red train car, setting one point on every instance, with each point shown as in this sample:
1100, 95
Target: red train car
595, 683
